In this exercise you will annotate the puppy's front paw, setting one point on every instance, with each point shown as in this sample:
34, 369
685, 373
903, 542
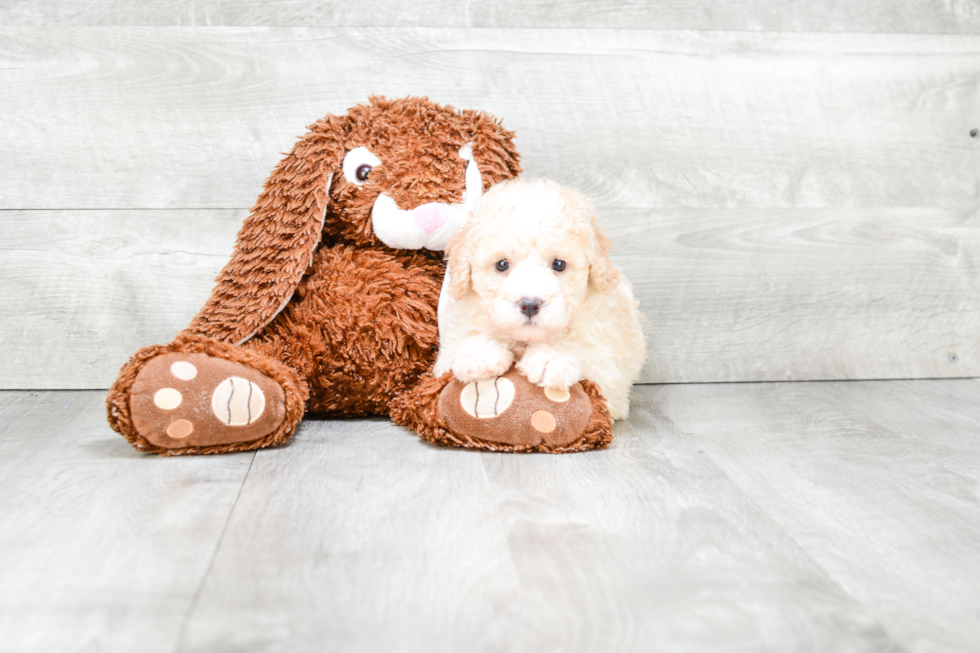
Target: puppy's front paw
548, 368
479, 358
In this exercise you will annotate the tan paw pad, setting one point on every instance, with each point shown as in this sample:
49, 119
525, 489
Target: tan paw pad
180, 429
237, 402
543, 421
510, 410
183, 370
167, 398
182, 400
557, 395
486, 399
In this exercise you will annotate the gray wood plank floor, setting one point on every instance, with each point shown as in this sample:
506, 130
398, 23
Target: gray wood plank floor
840, 516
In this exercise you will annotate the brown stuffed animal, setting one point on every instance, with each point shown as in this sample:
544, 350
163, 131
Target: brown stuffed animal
328, 303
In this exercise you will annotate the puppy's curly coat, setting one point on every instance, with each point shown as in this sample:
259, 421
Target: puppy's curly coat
530, 279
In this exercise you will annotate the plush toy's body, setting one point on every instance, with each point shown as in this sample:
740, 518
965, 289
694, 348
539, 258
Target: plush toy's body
329, 301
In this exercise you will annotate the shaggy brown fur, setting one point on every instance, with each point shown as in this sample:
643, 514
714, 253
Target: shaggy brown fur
315, 301
294, 387
418, 410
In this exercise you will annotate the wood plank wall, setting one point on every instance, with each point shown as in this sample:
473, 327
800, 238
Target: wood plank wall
793, 187
907, 16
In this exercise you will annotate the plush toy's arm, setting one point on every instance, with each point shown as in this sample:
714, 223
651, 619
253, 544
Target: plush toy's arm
276, 243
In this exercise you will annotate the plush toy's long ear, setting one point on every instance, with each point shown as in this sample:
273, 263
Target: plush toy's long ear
494, 150
460, 269
276, 243
493, 147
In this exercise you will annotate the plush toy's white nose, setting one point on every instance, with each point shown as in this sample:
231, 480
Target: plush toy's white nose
431, 216
430, 225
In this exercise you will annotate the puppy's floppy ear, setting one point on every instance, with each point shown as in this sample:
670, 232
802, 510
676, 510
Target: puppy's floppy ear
460, 271
602, 272
276, 243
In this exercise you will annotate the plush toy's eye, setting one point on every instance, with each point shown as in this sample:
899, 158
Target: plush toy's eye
502, 265
558, 265
358, 165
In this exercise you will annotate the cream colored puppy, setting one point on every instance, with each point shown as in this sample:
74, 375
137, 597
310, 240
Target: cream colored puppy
529, 278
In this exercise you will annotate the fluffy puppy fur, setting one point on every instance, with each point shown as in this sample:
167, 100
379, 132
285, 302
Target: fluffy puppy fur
530, 279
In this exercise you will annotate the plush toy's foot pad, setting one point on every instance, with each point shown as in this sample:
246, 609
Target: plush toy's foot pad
183, 400
512, 411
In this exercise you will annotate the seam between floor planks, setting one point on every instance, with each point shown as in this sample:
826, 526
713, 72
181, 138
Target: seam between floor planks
772, 518
656, 439
803, 549
217, 549
813, 471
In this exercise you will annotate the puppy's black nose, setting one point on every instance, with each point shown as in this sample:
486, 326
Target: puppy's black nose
530, 305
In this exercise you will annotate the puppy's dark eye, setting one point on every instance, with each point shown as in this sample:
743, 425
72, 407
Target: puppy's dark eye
502, 265
362, 172
558, 265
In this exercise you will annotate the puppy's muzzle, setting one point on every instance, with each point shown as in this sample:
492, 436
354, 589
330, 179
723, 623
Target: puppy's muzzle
530, 305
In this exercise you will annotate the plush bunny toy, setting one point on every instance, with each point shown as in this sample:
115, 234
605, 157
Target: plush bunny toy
328, 303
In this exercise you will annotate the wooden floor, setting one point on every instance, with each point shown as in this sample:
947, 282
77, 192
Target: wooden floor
838, 516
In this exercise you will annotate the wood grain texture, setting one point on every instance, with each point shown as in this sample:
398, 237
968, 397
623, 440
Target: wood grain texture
742, 295
911, 16
729, 295
859, 475
101, 548
836, 516
196, 117
933, 416
83, 290
789, 206
360, 538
